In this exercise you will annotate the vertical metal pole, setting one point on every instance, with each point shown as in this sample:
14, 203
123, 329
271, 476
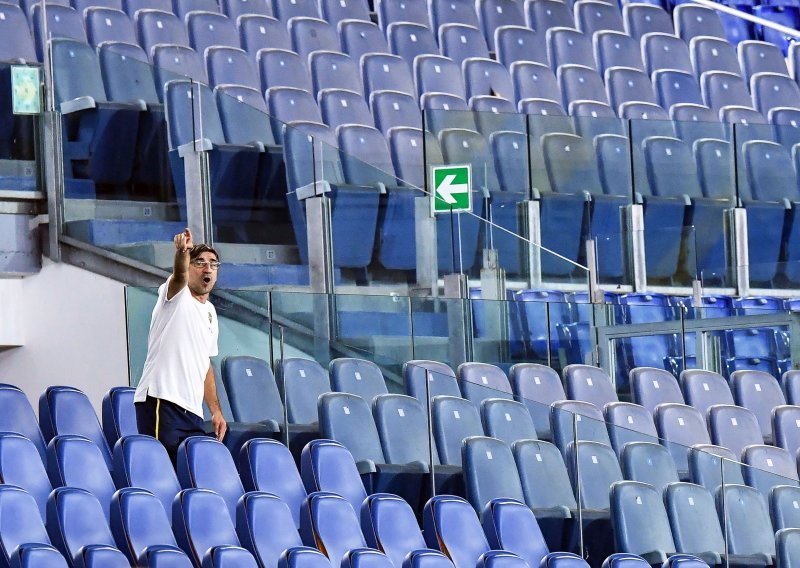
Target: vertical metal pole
285, 394
532, 216
591, 264
724, 511
428, 379
547, 323
575, 420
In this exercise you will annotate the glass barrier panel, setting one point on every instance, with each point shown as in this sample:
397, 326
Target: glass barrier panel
19, 145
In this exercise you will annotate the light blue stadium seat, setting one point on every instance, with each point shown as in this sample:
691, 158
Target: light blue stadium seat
262, 32
140, 523
235, 8
365, 558
252, 391
594, 467
489, 471
534, 81
154, 27
695, 525
507, 420
628, 423
207, 29
182, 7
665, 51
625, 85
721, 89
589, 384
766, 467
747, 523
283, 68
651, 387
427, 558
385, 72
511, 526
537, 386
130, 7
707, 463
201, 523
392, 109
790, 381
408, 40
786, 426
329, 521
760, 57
592, 16
401, 421
266, 527
591, 424
285, 10
518, 44
676, 88
787, 542
487, 77
360, 38
302, 381
460, 42
679, 428
616, 49
641, 19
494, 14
760, 392
141, 461
311, 34
567, 46
692, 21
454, 419
713, 54
357, 376
640, 521
334, 11
108, 24
703, 389
414, 11
480, 381
580, 83
438, 74
441, 380
20, 523
334, 70
303, 557
649, 462
21, 466
452, 12
783, 511
733, 427
389, 524
63, 22
231, 65
547, 15
229, 557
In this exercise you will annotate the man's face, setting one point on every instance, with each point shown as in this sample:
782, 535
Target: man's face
202, 276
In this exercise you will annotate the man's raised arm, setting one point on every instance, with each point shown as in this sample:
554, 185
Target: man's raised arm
180, 268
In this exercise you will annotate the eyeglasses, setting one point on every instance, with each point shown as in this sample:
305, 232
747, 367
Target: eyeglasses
199, 263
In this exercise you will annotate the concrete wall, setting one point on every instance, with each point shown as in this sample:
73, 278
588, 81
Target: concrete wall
72, 330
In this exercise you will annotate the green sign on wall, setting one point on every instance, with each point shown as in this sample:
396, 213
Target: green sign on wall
25, 92
452, 188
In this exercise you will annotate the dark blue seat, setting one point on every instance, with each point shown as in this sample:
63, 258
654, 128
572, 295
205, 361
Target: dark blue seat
733, 427
518, 43
772, 90
401, 421
283, 68
565, 414
747, 523
440, 379
258, 32
63, 22
692, 21
616, 49
713, 54
489, 471
703, 389
451, 525
154, 27
641, 19
707, 463
302, 381
201, 523
130, 7
205, 463
207, 29
385, 72
695, 526
766, 467
580, 83
21, 466
408, 40
360, 38
235, 8
231, 65
37, 556
640, 521
334, 70
329, 522
139, 522
357, 376
537, 386
548, 14
679, 428
507, 420
592, 16
285, 10
566, 46
311, 34
510, 525
649, 463
625, 85
787, 542
651, 387
480, 381
427, 558
564, 560
665, 51
119, 416
760, 392
786, 426
74, 461
183, 7
589, 384
783, 13
594, 467
487, 77
760, 57
335, 11
461, 41
454, 419
141, 461
676, 88
790, 381
628, 423
389, 524
108, 24
438, 74
20, 523
783, 513
534, 81
78, 527
415, 11
266, 527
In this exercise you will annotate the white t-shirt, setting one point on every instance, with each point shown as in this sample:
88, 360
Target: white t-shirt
183, 335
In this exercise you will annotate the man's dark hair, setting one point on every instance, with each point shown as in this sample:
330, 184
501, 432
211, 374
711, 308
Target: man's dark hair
197, 250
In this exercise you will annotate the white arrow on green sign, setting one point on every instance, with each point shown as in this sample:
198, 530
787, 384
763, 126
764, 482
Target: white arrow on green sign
452, 188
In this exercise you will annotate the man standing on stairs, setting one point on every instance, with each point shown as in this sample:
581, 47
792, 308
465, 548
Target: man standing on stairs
183, 336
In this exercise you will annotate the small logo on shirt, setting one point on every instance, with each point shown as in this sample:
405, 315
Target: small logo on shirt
209, 317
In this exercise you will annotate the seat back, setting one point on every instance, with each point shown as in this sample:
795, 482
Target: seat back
347, 419
302, 380
330, 521
38, 556
706, 463
651, 387
693, 516
231, 66
200, 522
692, 21
303, 557
262, 32
538, 386
207, 29
649, 463
461, 41
616, 49
591, 425
186, 99
402, 427
154, 27
357, 376
20, 521
641, 19
703, 389
784, 507
385, 72
141, 461
441, 379
746, 520
566, 46
252, 390
311, 34
266, 527
480, 381
285, 10
139, 521
760, 392
640, 521
787, 542
786, 423
665, 51
510, 525
119, 415
451, 525
507, 420
627, 423
518, 43
454, 419
326, 465
541, 465
489, 471
733, 427
107, 24
19, 46
76, 519
767, 466
334, 70
408, 40
680, 427
487, 76
589, 384
390, 524
21, 466
593, 467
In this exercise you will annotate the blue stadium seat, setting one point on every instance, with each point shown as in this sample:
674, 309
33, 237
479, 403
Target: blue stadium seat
141, 461
592, 16
783, 511
207, 29
786, 426
311, 34
401, 422
282, 68
37, 556
302, 381
333, 70
444, 111
518, 44
154, 27
591, 424
441, 380
695, 525
119, 415
548, 14
707, 462
766, 467
365, 558
21, 466
454, 419
489, 471
74, 461
564, 560
139, 522
201, 523
205, 463
360, 38
628, 422
460, 41
534, 81
651, 387
510, 525
703, 389
641, 19
392, 109
285, 10
676, 88
616, 49
450, 525
235, 8
640, 521
507, 420
665, 51
713, 54
326, 465
566, 46
437, 74
760, 57
771, 91
268, 466
760, 392
231, 65
334, 11
357, 376
722, 90
229, 557
252, 391
480, 381
342, 106
78, 526
790, 381
589, 384
733, 427
540, 465
580, 83
262, 32
385, 72
494, 14
787, 543
303, 557
747, 523
487, 77
266, 527
389, 524
679, 428
408, 40
330, 522
63, 22
108, 24
414, 11
649, 463
537, 386
452, 12
130, 7
692, 21
20, 523
183, 7
593, 467
19, 46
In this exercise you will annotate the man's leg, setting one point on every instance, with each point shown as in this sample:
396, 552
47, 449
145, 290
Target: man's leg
175, 424
146, 413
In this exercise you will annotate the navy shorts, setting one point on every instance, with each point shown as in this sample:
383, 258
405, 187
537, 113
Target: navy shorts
168, 423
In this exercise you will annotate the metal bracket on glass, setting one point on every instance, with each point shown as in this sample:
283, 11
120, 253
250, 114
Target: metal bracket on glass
741, 255
53, 175
198, 195
532, 217
315, 189
427, 253
634, 219
595, 293
320, 255
460, 341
